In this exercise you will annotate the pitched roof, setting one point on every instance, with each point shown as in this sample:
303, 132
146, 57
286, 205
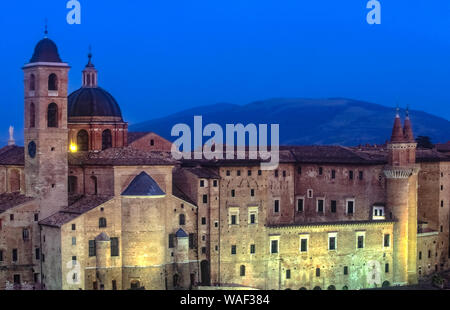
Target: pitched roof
177, 192
77, 206
204, 173
124, 156
143, 185
12, 155
181, 234
133, 136
11, 200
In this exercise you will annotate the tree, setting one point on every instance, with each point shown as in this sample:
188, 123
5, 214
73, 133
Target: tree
424, 142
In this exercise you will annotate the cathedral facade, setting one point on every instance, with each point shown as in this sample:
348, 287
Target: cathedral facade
85, 204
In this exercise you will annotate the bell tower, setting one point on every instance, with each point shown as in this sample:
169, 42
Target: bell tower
46, 133
401, 197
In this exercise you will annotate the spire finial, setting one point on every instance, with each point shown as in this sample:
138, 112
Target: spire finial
397, 110
46, 28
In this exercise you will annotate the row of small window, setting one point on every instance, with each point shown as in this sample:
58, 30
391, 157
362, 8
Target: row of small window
11, 218
233, 215
233, 193
429, 254
249, 173
52, 82
320, 206
332, 242
15, 255
288, 271
202, 183
350, 174
114, 247
299, 171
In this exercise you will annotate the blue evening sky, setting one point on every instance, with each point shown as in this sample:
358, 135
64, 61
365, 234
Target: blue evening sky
158, 57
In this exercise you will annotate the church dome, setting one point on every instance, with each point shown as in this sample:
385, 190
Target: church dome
46, 51
93, 102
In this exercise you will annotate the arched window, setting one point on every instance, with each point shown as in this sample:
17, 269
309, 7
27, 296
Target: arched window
345, 287
94, 185
72, 184
83, 140
52, 115
14, 181
102, 222
332, 288
106, 139
242, 271
32, 82
52, 82
317, 288
32, 116
182, 219
386, 284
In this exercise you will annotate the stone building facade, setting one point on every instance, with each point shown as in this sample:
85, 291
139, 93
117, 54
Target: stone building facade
88, 205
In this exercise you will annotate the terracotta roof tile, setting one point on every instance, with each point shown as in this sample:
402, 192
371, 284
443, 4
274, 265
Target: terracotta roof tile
11, 200
12, 155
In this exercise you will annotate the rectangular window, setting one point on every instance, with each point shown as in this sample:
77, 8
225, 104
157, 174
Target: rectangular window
350, 207
288, 274
276, 173
386, 268
74, 260
74, 240
284, 173
73, 226
252, 192
36, 217
233, 193
360, 242
203, 220
114, 246
276, 207
303, 244
17, 279
203, 250
92, 248
259, 172
320, 170
114, 285
345, 270
429, 254
252, 249
350, 175
37, 254
320, 205
14, 255
11, 217
239, 173
25, 234
332, 243
300, 205
317, 272
387, 240
333, 206
228, 173
249, 173
299, 170
202, 183
171, 241
205, 198
1, 255
215, 183
361, 175
333, 174
233, 250
252, 218
274, 246
233, 219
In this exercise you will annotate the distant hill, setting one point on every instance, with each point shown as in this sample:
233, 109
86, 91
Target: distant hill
334, 121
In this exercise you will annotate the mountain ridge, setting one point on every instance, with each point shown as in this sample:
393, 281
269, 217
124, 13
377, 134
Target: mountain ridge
307, 121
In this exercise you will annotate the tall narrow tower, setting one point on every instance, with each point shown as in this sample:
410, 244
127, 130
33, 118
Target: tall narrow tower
401, 174
46, 133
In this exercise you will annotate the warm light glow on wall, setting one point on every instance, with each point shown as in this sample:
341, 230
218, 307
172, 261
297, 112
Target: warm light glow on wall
73, 147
